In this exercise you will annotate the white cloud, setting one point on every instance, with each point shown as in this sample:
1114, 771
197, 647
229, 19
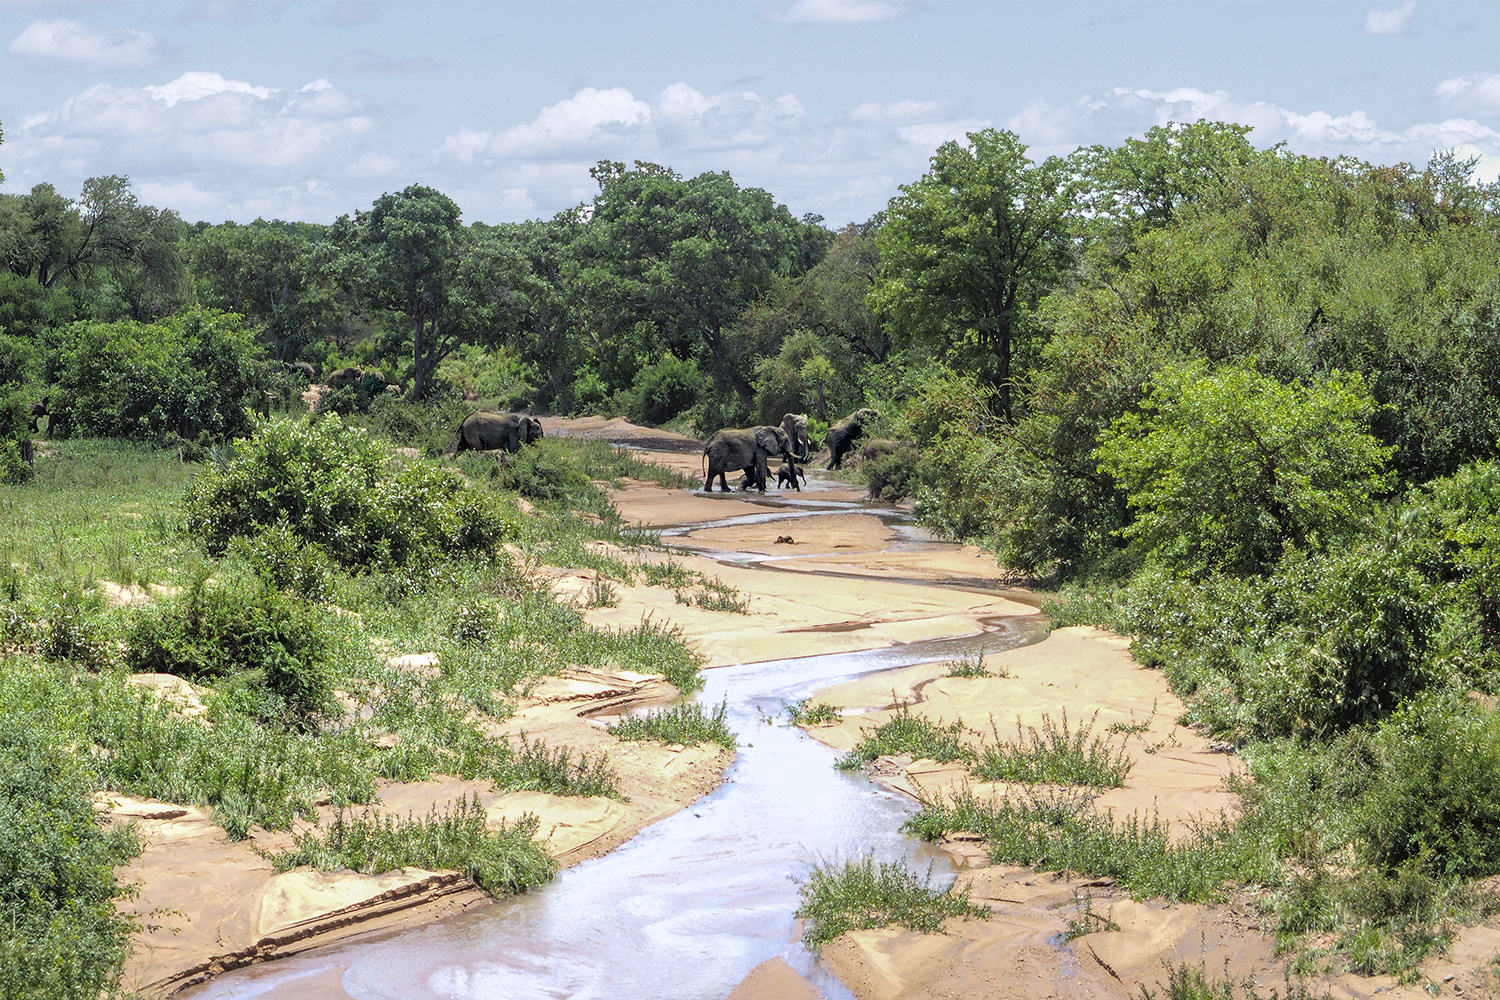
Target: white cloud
195, 85
1111, 117
588, 118
70, 45
202, 143
1390, 22
841, 11
1481, 90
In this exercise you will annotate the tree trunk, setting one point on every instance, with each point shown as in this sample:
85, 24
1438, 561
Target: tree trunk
419, 373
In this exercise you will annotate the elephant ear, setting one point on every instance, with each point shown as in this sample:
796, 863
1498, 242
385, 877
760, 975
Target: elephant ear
765, 438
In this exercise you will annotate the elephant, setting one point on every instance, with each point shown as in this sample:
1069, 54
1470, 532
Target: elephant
489, 430
303, 368
842, 435
795, 425
344, 376
745, 448
38, 411
787, 476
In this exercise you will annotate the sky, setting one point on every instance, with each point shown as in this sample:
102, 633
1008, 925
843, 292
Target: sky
233, 110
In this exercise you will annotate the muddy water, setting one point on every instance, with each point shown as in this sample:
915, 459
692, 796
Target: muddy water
689, 906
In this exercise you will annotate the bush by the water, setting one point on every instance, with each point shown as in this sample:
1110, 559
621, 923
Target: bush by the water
862, 894
336, 487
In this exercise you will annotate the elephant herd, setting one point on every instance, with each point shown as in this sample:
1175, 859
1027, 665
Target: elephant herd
749, 449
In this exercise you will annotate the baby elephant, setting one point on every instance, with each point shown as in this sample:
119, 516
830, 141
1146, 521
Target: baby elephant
788, 475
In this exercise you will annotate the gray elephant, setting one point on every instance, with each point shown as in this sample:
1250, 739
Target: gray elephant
344, 376
842, 435
747, 448
795, 425
489, 430
788, 474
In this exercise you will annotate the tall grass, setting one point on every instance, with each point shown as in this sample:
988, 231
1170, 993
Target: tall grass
906, 733
1054, 756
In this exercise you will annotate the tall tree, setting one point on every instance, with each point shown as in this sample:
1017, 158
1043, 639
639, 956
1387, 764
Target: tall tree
968, 249
409, 254
268, 273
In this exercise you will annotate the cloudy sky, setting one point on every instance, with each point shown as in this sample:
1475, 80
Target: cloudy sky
229, 109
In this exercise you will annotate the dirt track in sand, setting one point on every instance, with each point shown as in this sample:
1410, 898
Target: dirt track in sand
842, 581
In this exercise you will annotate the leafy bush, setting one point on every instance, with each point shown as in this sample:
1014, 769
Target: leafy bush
191, 373
892, 474
287, 562
862, 894
62, 938
664, 389
214, 632
333, 486
1226, 469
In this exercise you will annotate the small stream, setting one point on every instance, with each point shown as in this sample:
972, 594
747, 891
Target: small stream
690, 905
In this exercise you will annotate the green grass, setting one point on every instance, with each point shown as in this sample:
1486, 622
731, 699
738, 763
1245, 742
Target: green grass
970, 667
808, 713
910, 734
1088, 920
1054, 756
715, 595
667, 574
602, 460
686, 724
863, 894
501, 861
1187, 982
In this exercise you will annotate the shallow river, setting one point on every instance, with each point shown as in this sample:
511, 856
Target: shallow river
694, 902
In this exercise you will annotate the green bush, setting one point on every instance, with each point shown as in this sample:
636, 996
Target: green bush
287, 562
190, 374
664, 389
905, 733
1434, 796
686, 724
62, 938
208, 633
335, 487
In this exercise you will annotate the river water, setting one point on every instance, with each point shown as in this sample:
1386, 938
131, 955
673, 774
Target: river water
690, 905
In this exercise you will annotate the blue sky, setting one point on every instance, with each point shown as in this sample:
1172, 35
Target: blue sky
233, 110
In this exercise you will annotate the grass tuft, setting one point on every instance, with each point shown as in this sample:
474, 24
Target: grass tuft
971, 666
499, 861
686, 724
862, 894
908, 734
1054, 756
806, 713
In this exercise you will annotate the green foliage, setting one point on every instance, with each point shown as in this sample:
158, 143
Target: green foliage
190, 374
970, 667
862, 894
501, 861
1225, 470
664, 389
809, 713
1054, 756
287, 562
230, 628
715, 595
62, 938
905, 733
686, 724
333, 486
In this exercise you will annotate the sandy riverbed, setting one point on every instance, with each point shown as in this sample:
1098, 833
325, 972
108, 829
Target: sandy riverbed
218, 904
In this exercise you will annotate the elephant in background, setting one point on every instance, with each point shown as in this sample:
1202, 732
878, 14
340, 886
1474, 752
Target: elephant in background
795, 425
488, 430
842, 435
747, 448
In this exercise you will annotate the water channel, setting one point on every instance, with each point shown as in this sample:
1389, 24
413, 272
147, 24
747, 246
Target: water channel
689, 906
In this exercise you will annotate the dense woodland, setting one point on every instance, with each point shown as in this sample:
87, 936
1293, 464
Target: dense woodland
1241, 404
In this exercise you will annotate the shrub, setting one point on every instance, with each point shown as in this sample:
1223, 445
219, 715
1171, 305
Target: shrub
62, 938
189, 374
288, 562
664, 389
1054, 756
892, 474
214, 632
862, 894
1225, 469
334, 486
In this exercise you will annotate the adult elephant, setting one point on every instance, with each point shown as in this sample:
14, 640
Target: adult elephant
748, 448
488, 430
795, 425
842, 435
